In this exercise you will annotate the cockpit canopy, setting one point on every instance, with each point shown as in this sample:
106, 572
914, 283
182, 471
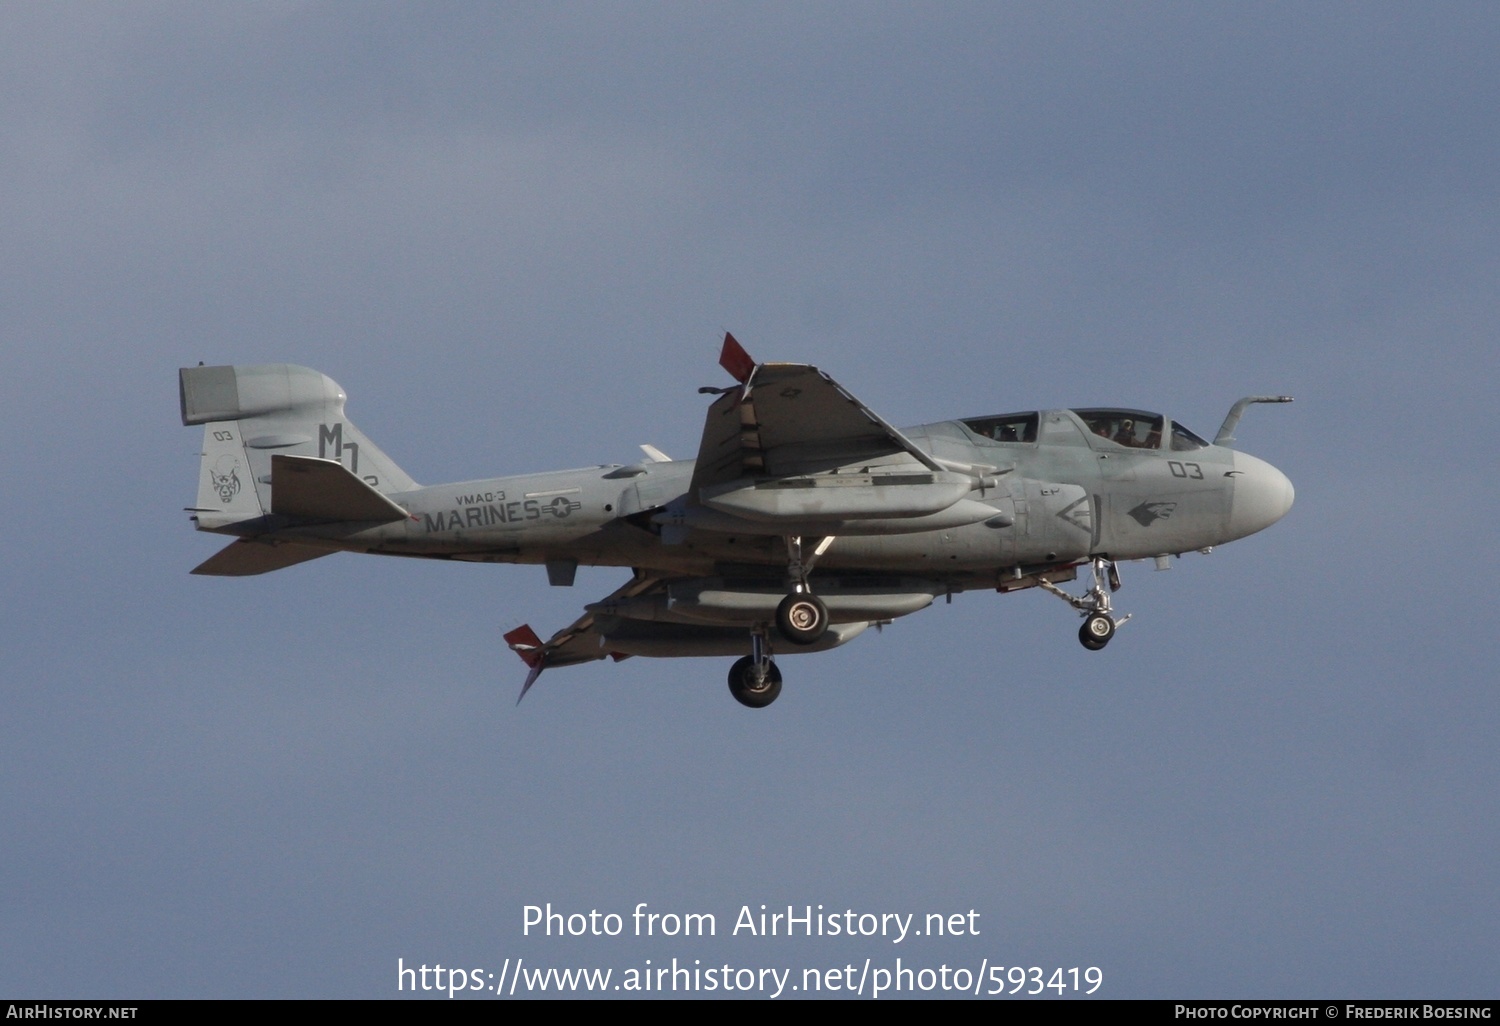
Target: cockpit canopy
1184, 440
1134, 429
1008, 427
1137, 429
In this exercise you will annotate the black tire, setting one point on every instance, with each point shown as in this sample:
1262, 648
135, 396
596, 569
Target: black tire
1096, 632
802, 618
743, 687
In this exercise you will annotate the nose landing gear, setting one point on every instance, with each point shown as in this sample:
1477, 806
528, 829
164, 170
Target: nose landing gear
1099, 625
1096, 631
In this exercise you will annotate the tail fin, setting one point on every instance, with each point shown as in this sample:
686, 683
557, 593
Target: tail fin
250, 414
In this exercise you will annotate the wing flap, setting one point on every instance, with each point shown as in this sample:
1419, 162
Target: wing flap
306, 486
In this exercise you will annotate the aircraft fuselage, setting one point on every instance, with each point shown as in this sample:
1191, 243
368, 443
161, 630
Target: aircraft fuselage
805, 518
1068, 496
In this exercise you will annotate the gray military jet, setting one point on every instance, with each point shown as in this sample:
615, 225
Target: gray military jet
804, 520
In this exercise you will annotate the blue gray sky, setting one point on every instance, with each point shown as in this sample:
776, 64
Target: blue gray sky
515, 235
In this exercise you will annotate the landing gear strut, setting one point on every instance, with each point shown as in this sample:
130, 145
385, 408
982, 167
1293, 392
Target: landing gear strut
1098, 624
754, 680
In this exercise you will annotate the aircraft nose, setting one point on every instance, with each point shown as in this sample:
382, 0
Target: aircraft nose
1262, 496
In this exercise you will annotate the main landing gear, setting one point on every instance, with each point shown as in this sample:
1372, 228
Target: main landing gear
1099, 625
754, 680
802, 618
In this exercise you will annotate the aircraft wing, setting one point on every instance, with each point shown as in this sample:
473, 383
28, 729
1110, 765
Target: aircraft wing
786, 419
579, 642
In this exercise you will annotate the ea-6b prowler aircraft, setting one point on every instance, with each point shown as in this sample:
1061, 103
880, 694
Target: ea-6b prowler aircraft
805, 519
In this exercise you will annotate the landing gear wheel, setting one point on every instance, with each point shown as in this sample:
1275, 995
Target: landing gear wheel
746, 690
802, 618
1096, 632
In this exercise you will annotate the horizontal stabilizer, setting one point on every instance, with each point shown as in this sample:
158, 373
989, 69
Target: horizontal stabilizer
305, 486
248, 557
